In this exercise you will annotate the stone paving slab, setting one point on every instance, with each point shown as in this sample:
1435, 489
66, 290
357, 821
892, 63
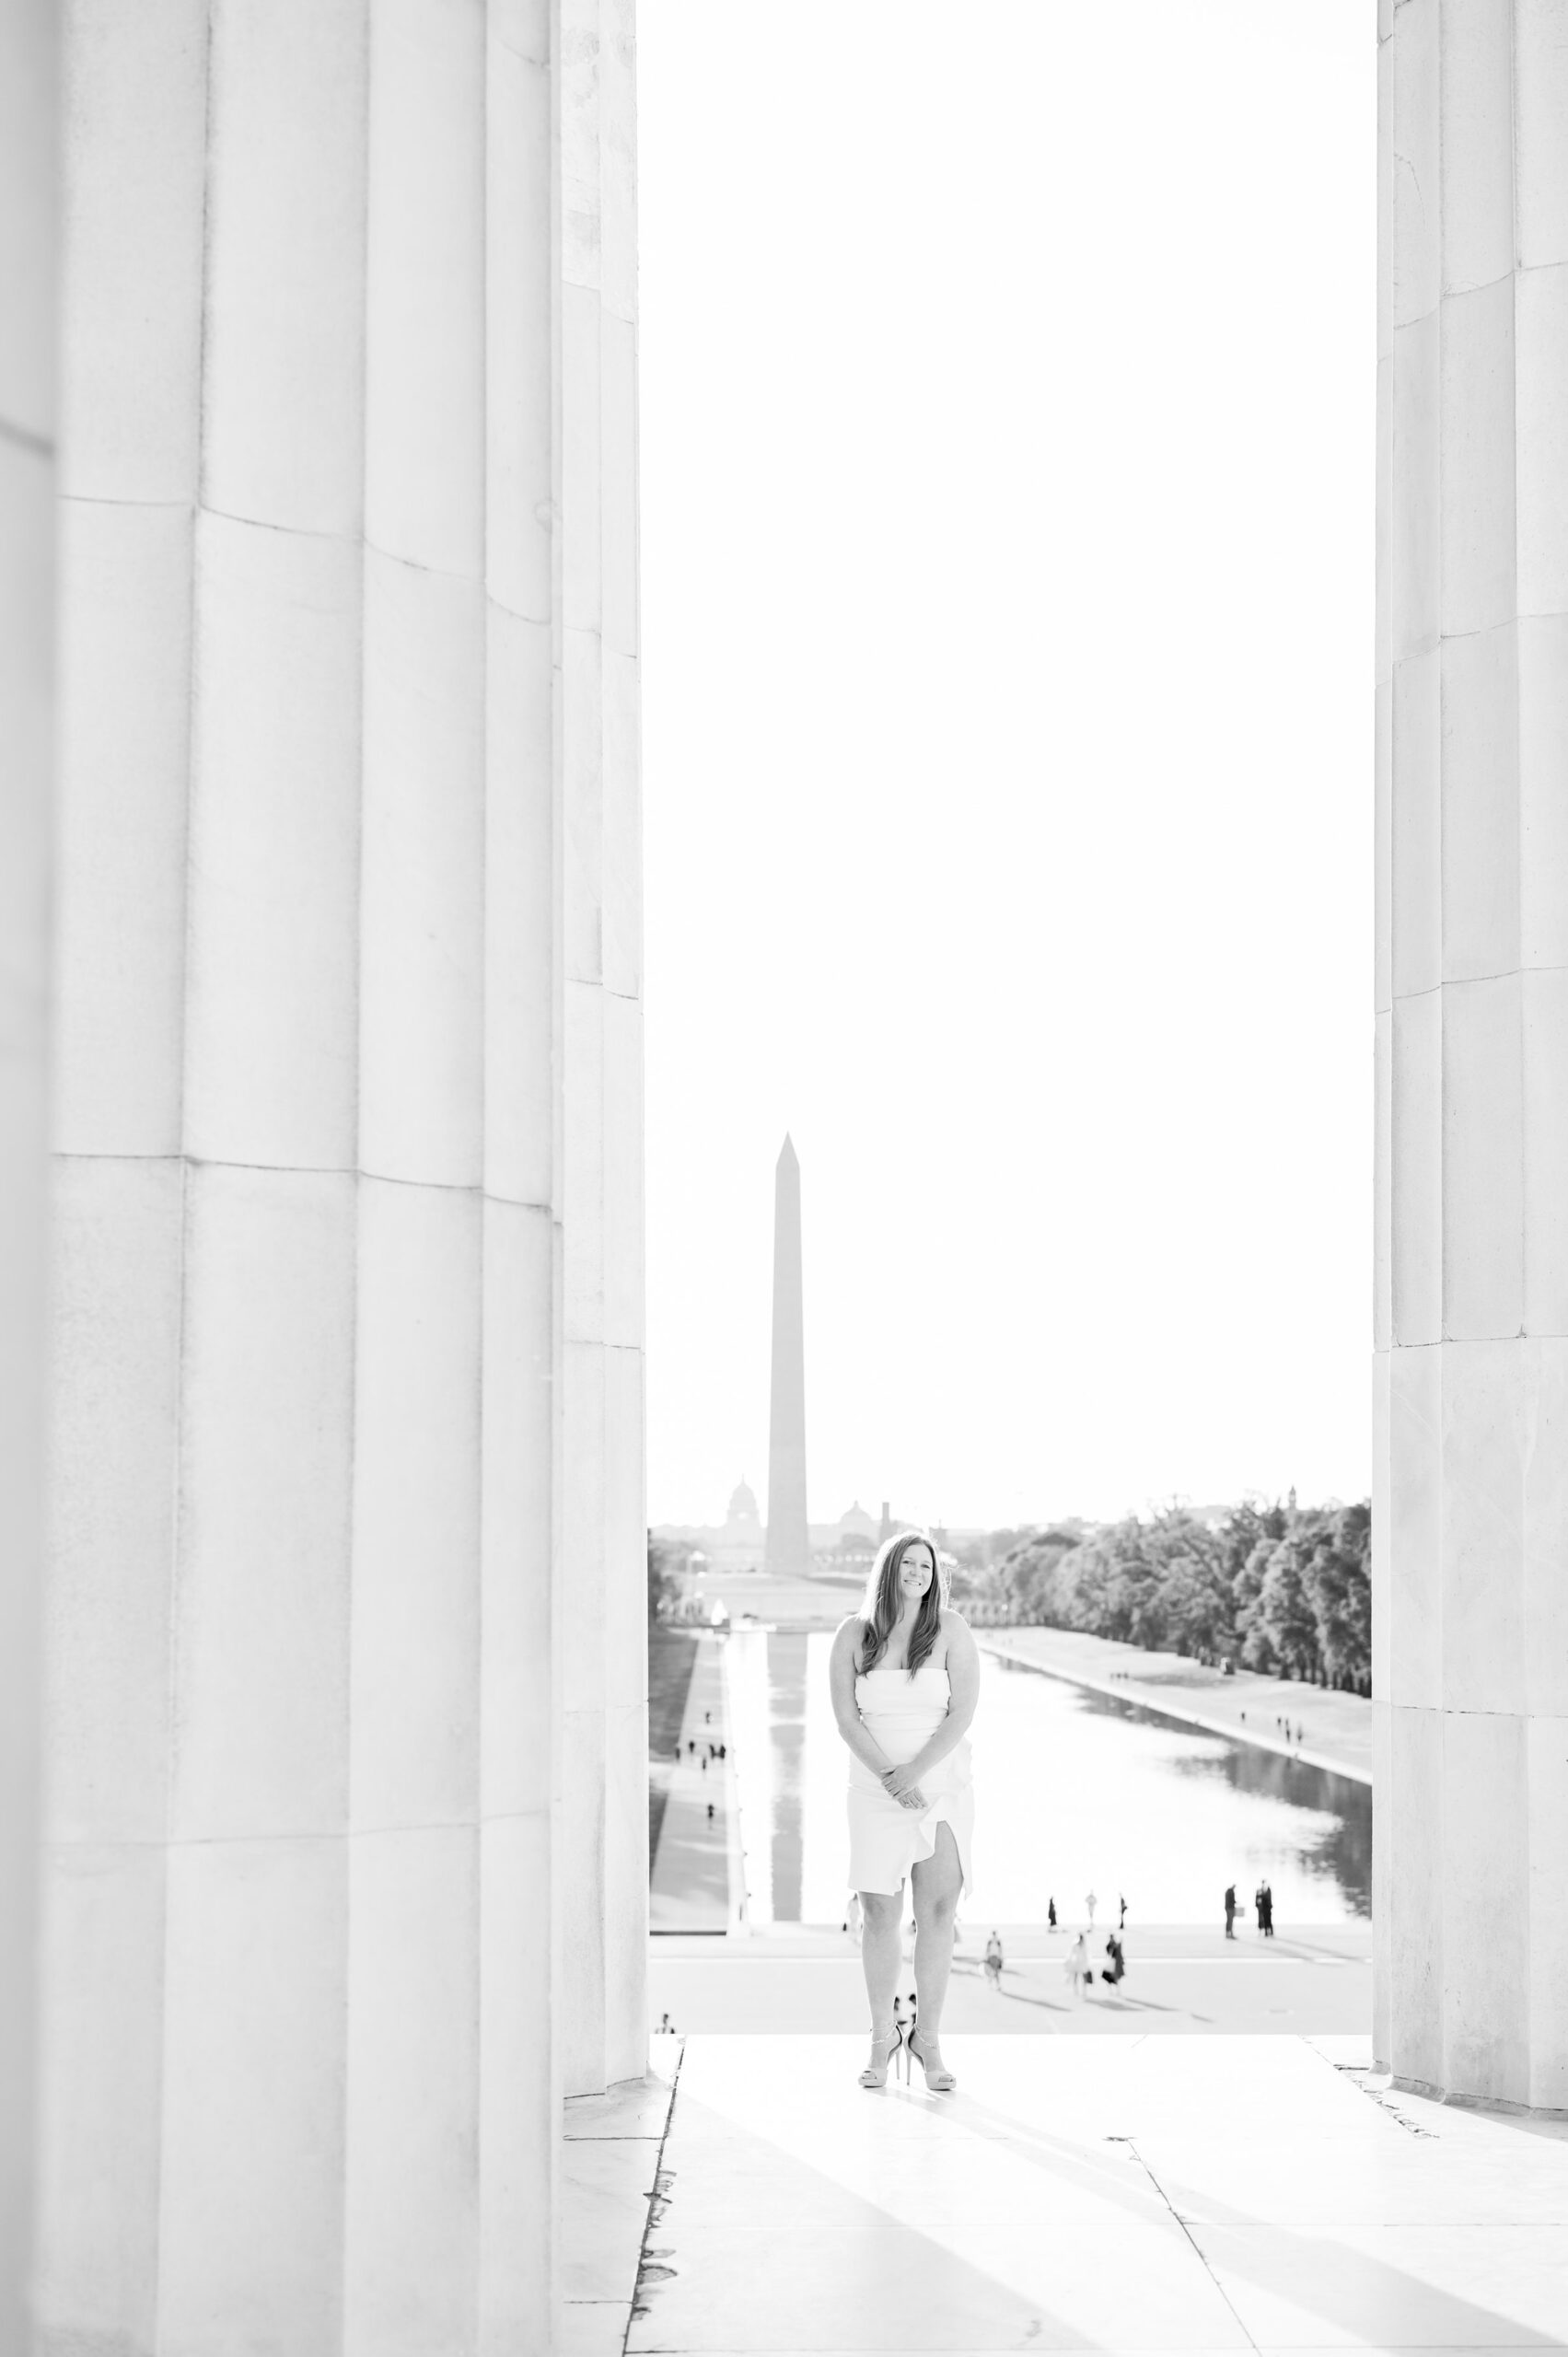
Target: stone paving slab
609, 2175
1128, 2193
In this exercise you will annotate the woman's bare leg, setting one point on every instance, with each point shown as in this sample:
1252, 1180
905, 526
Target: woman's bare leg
884, 1913
937, 1881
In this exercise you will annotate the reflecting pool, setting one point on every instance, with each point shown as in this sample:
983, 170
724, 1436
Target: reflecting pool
1074, 1792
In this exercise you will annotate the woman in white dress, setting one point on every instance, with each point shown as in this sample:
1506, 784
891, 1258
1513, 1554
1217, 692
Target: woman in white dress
905, 1681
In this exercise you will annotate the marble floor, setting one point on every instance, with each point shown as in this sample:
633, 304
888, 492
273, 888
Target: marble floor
1097, 2193
608, 2178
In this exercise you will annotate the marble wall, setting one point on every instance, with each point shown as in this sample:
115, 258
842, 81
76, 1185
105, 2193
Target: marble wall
1472, 1393
345, 1821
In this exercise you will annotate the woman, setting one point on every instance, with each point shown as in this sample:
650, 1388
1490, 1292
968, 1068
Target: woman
905, 1680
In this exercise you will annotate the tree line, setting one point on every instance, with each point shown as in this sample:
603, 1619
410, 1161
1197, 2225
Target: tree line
1283, 1589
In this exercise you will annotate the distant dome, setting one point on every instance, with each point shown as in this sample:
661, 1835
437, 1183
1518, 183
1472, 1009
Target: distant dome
857, 1523
742, 1507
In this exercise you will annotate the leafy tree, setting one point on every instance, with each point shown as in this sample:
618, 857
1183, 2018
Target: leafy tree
1281, 1634
1336, 1577
1281, 1589
666, 1564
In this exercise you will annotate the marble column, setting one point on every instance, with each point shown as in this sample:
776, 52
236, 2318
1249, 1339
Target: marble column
1471, 1484
604, 1752
345, 1622
29, 235
789, 1540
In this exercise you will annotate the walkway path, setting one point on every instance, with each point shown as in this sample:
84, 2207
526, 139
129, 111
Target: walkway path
1119, 2194
693, 1874
1180, 1979
1337, 1727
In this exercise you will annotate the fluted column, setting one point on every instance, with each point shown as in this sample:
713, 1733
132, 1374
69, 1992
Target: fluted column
28, 236
1471, 1877
604, 1754
334, 1523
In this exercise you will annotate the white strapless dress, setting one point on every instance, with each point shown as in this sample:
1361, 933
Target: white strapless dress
884, 1839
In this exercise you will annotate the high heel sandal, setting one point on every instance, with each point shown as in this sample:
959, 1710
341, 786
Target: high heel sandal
876, 2073
938, 2083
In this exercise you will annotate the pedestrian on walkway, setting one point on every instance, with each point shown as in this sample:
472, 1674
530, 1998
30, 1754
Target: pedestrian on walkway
993, 1959
1077, 1968
1266, 1909
1230, 1911
1121, 1920
1050, 1912
1116, 1968
1091, 1903
1258, 1906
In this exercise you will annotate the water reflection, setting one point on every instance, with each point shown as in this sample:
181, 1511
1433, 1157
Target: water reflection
1327, 1818
1074, 1792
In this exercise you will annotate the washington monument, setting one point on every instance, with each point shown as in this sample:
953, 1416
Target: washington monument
789, 1548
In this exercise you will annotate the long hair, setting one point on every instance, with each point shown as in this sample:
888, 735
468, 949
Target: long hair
884, 1602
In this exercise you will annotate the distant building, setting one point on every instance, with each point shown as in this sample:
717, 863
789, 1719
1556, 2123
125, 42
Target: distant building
740, 1542
737, 1544
847, 1545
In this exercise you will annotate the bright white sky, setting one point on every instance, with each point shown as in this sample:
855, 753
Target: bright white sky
1007, 497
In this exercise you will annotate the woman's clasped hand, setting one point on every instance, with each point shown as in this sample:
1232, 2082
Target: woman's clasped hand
900, 1782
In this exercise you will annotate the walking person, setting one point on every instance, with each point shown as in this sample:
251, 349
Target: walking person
1050, 1913
994, 1960
1230, 1911
1122, 1918
1258, 1907
1091, 1903
1076, 1967
1116, 1967
904, 1675
1266, 1908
